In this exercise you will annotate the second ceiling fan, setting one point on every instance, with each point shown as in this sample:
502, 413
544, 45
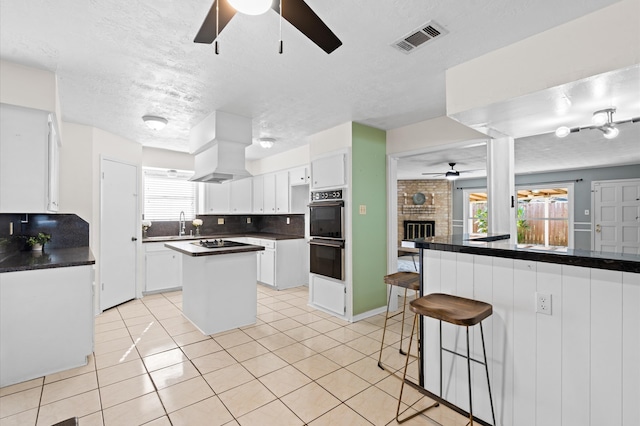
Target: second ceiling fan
297, 12
452, 174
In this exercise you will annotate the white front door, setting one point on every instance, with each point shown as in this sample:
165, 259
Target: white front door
617, 216
118, 233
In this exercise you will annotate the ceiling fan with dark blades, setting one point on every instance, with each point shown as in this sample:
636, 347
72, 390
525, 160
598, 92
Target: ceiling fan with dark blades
297, 12
452, 174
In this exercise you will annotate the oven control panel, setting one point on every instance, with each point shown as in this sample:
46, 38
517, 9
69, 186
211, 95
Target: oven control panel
335, 194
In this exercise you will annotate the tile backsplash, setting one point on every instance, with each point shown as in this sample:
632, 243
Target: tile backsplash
234, 224
66, 230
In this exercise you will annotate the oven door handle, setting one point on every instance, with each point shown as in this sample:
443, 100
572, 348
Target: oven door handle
337, 203
328, 243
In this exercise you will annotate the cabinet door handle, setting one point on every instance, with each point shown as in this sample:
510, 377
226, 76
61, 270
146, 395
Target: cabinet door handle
134, 239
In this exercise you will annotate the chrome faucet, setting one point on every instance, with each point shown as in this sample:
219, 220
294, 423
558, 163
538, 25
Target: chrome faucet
182, 225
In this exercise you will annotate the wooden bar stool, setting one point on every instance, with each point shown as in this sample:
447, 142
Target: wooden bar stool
408, 281
458, 311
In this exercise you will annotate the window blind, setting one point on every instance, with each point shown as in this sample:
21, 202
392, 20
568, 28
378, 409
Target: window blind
165, 197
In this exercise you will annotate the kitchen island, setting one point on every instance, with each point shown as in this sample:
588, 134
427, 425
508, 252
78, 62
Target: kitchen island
575, 364
219, 290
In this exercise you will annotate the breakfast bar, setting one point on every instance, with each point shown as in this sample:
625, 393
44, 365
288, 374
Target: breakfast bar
218, 283
572, 361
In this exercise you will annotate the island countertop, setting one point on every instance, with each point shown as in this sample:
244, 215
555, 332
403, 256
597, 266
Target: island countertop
501, 248
190, 249
50, 258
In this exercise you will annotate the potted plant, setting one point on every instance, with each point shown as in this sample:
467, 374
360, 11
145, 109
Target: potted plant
37, 243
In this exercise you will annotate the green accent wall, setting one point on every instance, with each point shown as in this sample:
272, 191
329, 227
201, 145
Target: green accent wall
369, 231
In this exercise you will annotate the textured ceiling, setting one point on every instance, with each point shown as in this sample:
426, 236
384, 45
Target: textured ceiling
119, 60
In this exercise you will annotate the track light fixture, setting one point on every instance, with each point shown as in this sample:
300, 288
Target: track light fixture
602, 120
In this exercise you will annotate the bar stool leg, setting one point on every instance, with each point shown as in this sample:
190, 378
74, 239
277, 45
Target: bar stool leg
469, 379
384, 329
404, 310
404, 374
486, 368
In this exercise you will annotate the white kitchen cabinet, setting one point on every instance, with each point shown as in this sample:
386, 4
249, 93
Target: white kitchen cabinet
163, 268
299, 176
282, 192
241, 196
29, 159
327, 172
46, 321
282, 263
258, 194
217, 198
270, 193
267, 266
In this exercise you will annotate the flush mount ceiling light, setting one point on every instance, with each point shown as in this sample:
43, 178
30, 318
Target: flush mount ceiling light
266, 142
155, 123
172, 173
602, 120
251, 7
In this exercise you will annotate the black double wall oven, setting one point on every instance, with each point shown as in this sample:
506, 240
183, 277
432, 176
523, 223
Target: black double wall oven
326, 229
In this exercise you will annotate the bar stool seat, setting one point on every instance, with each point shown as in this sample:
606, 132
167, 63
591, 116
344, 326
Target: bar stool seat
452, 309
458, 311
408, 281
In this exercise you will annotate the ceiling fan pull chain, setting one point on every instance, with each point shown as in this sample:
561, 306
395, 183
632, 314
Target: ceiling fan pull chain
281, 49
217, 27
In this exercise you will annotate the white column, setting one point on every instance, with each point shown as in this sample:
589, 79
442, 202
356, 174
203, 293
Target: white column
501, 187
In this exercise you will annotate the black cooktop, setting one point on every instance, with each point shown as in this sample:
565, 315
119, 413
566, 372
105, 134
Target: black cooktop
220, 243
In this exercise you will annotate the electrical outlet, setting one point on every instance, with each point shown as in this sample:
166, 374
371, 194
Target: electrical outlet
363, 209
221, 221
248, 220
288, 221
543, 303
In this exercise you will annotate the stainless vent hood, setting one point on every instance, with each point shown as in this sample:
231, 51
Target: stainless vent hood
219, 142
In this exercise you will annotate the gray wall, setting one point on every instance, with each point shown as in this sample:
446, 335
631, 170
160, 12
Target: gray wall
582, 192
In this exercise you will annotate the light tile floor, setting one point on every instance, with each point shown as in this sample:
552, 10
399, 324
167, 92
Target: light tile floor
295, 366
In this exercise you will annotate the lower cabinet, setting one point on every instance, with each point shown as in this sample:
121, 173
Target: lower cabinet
163, 268
46, 322
282, 263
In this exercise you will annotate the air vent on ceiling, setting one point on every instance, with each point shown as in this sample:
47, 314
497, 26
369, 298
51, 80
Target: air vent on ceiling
420, 36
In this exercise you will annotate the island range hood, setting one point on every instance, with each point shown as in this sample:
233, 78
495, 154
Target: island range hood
219, 142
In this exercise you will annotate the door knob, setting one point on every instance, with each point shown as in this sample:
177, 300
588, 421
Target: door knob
598, 228
134, 239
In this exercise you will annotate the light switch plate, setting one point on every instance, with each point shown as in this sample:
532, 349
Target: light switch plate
221, 221
363, 209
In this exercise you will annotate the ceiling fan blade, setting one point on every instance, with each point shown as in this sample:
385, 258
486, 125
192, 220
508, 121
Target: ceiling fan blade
207, 33
434, 174
300, 15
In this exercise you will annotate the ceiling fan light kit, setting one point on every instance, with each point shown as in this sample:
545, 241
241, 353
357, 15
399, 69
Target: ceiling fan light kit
154, 122
251, 7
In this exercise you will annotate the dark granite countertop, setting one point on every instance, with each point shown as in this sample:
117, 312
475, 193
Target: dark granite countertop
190, 249
264, 235
497, 248
50, 258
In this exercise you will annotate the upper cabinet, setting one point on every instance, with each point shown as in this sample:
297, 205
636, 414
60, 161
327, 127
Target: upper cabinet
241, 196
258, 194
282, 192
29, 159
217, 197
327, 172
299, 176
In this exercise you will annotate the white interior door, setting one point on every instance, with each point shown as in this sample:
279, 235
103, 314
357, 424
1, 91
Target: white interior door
617, 216
118, 233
